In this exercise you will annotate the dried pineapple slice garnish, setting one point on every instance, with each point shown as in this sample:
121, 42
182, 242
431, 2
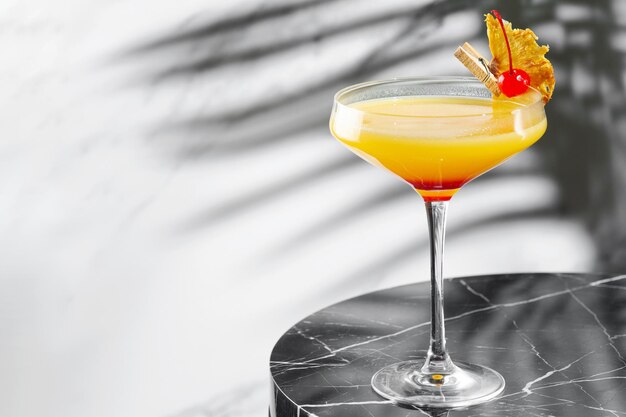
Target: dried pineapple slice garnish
526, 54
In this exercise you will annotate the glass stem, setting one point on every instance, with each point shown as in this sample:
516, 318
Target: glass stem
438, 361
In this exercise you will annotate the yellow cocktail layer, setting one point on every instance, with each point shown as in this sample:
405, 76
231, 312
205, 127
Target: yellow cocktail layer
437, 144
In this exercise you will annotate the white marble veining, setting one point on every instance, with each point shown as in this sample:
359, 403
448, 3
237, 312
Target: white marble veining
547, 347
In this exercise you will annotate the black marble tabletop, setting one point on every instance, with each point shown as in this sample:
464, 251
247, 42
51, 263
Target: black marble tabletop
558, 340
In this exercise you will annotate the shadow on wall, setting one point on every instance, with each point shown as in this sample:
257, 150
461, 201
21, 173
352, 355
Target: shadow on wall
586, 151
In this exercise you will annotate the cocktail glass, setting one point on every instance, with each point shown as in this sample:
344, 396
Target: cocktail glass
437, 134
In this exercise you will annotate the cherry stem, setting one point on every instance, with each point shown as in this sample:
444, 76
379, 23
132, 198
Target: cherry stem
506, 39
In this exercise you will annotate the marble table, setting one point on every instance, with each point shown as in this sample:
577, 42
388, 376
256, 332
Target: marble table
559, 340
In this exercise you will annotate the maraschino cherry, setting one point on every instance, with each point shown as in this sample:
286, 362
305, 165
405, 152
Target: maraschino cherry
515, 81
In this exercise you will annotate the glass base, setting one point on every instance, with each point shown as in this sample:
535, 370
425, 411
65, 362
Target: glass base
404, 383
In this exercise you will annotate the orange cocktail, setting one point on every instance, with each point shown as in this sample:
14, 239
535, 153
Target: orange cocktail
436, 133
437, 143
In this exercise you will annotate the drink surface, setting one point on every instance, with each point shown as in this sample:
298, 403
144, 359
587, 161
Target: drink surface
437, 144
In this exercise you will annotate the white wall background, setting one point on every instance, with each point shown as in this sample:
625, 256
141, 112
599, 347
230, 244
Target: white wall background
137, 281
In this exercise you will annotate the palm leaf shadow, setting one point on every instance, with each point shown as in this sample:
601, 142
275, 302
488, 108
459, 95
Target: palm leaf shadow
241, 130
314, 97
241, 19
318, 92
432, 13
278, 189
